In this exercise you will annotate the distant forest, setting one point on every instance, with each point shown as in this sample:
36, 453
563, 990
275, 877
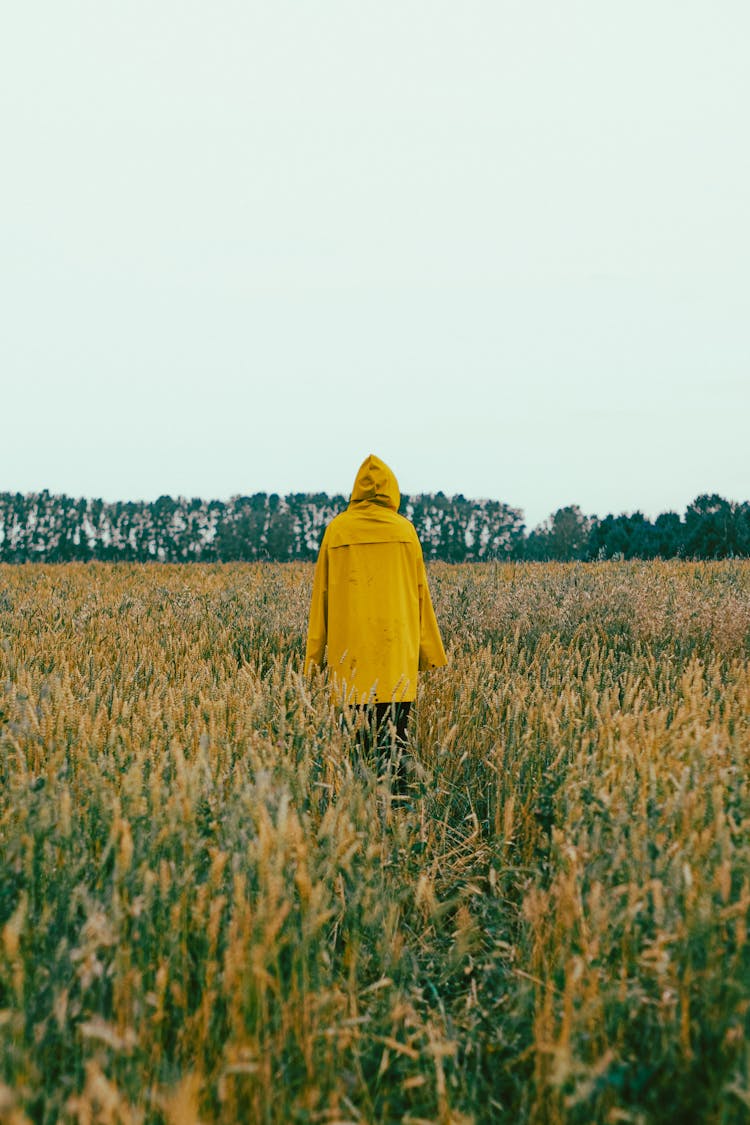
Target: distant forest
40, 527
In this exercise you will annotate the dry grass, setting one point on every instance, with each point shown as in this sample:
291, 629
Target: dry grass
211, 910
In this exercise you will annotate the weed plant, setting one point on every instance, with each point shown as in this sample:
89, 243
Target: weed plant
212, 909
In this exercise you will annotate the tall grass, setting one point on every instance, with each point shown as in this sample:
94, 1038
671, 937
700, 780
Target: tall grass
212, 909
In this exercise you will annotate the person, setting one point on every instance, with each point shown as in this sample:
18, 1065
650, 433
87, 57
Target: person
371, 616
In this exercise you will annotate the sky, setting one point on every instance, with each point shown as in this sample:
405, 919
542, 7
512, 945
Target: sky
503, 244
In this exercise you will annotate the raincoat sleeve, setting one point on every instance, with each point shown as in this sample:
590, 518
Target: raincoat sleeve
431, 650
317, 628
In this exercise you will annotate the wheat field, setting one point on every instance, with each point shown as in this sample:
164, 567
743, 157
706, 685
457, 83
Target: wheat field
212, 908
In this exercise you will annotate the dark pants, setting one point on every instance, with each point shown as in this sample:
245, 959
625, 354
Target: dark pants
382, 727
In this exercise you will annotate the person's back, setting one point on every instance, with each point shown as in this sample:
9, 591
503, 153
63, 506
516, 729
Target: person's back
371, 604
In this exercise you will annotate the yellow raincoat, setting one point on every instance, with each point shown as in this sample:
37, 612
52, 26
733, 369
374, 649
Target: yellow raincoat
370, 602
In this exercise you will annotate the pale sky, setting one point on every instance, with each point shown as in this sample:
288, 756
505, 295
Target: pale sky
503, 245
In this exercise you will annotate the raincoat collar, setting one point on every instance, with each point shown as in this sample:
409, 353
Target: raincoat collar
376, 483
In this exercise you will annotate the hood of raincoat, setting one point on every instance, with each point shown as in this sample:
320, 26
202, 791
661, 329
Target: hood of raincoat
376, 483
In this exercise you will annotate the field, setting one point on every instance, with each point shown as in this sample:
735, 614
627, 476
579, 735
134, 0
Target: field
211, 909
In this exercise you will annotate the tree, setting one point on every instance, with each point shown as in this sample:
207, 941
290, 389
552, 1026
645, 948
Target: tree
564, 536
712, 530
280, 535
668, 535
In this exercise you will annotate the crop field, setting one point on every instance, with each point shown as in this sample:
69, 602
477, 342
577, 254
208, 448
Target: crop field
213, 909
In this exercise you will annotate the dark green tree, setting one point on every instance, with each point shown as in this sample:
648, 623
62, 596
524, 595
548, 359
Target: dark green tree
564, 536
712, 530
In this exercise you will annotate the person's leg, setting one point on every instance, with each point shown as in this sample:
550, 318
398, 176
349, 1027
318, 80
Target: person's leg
392, 720
402, 721
401, 717
365, 727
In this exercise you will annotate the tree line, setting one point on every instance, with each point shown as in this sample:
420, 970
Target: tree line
44, 527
